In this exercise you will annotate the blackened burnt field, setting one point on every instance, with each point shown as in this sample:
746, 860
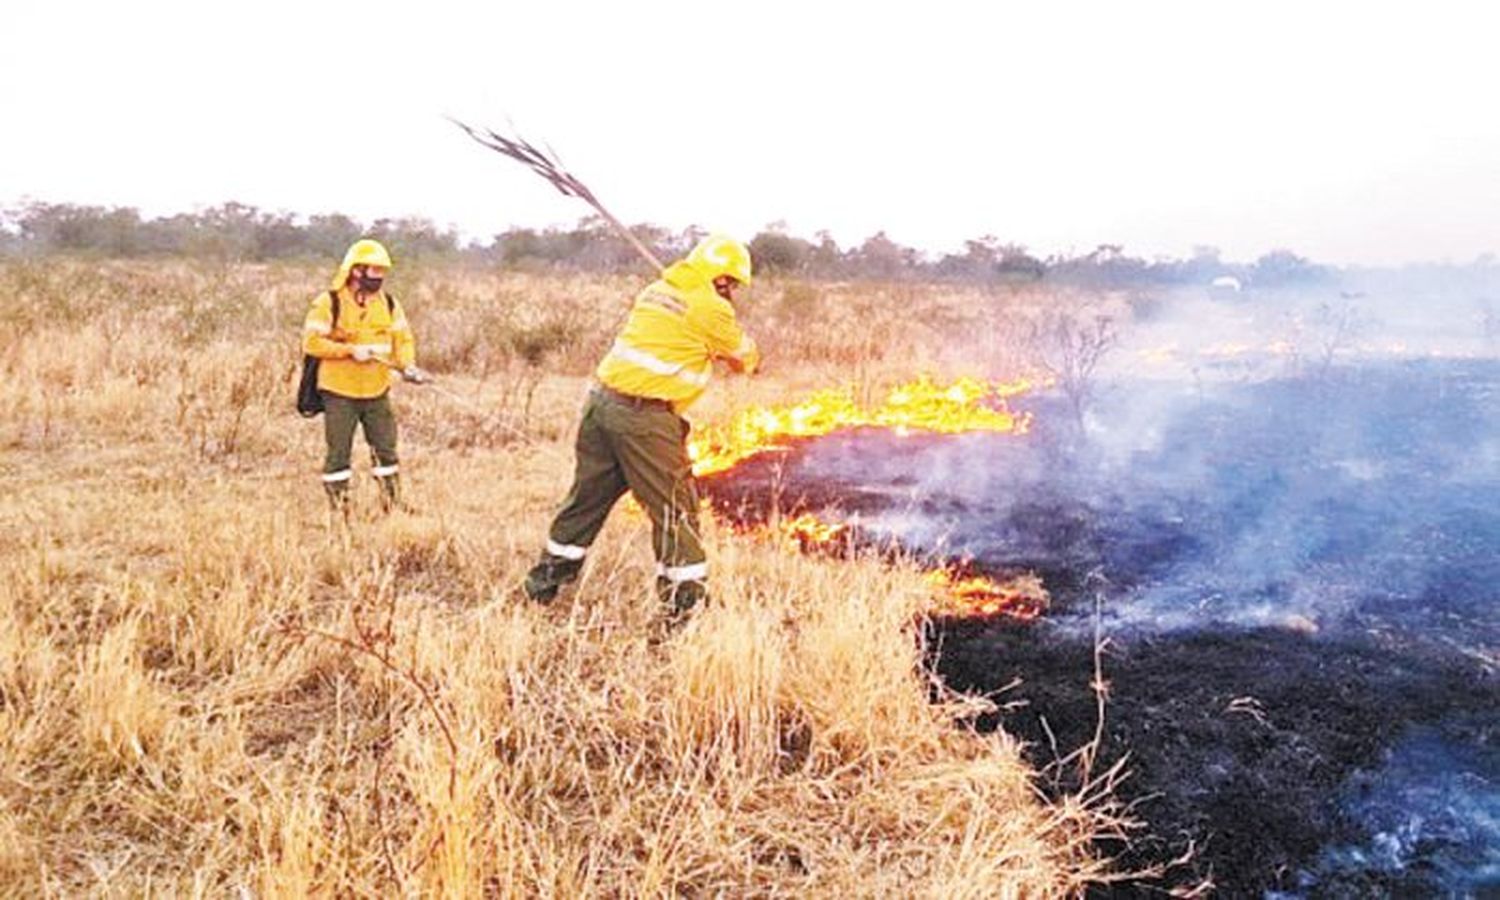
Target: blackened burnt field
1297, 580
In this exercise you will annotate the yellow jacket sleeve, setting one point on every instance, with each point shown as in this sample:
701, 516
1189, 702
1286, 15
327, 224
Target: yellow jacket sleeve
403, 343
725, 338
319, 335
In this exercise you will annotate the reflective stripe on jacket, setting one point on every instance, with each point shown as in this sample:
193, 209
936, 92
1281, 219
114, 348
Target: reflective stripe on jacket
379, 324
676, 328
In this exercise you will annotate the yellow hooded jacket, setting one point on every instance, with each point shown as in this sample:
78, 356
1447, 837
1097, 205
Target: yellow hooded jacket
380, 323
676, 328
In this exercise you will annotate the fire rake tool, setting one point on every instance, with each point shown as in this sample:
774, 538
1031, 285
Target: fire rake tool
549, 167
488, 418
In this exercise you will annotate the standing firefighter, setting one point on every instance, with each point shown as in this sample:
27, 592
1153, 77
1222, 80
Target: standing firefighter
632, 435
358, 333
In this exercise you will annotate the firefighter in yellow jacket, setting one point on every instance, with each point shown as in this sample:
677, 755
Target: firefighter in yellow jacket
632, 435
359, 334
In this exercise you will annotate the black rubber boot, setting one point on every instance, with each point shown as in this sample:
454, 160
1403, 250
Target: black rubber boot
680, 600
548, 576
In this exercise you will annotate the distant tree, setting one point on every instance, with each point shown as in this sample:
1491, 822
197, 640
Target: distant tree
1203, 266
591, 245
660, 241
1106, 266
826, 259
515, 244
678, 245
237, 231
977, 263
1016, 263
986, 259
330, 234
417, 237
777, 252
601, 249
881, 257
227, 231
529, 247
61, 227
1281, 268
279, 236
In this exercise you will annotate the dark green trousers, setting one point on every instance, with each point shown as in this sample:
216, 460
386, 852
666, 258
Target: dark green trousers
341, 416
643, 449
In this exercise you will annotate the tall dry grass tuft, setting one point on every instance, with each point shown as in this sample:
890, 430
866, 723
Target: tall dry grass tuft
861, 638
207, 688
725, 676
296, 857
123, 712
447, 846
19, 854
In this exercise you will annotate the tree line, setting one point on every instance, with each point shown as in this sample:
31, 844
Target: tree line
239, 232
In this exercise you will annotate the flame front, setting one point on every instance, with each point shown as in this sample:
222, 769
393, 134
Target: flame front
964, 595
967, 404
955, 591
808, 532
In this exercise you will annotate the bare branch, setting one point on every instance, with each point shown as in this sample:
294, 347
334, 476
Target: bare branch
547, 165
368, 645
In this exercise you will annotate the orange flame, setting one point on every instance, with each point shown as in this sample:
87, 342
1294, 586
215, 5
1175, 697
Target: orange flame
809, 532
956, 593
962, 595
967, 404
964, 405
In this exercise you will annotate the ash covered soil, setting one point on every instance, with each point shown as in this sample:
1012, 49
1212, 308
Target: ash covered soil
1297, 579
1241, 744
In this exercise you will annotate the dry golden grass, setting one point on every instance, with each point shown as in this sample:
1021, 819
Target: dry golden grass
206, 690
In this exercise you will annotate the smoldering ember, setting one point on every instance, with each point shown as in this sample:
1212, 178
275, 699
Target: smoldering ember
1289, 562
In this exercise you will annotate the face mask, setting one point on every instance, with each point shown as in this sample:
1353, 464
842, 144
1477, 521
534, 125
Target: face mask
369, 284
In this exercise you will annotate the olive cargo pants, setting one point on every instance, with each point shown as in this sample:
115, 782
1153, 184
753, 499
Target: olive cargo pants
341, 416
641, 446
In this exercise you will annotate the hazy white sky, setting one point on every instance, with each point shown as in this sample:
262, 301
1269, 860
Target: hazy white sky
1350, 132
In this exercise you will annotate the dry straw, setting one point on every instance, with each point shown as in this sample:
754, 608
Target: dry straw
206, 691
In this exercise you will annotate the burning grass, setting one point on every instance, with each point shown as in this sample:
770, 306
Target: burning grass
962, 593
204, 689
956, 590
923, 404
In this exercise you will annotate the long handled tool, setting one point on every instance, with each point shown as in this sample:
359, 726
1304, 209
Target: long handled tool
548, 166
489, 418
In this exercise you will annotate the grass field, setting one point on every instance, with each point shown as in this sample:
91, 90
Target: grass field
205, 689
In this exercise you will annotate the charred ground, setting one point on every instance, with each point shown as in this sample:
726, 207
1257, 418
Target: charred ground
1296, 579
1239, 742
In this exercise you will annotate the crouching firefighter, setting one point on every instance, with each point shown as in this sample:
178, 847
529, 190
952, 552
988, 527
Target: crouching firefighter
632, 435
358, 333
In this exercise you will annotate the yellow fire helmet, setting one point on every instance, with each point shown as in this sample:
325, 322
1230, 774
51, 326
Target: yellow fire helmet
364, 252
718, 255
